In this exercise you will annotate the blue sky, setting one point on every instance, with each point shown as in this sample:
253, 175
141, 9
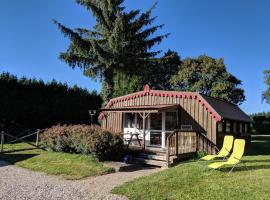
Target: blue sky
237, 30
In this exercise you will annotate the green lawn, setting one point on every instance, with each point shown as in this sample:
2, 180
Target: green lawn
70, 166
191, 180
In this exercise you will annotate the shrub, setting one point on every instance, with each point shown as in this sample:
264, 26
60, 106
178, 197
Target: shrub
84, 139
200, 154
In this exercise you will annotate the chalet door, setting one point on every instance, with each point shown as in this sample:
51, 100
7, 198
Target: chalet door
156, 129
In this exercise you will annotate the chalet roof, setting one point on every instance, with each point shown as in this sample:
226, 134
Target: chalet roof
218, 109
227, 110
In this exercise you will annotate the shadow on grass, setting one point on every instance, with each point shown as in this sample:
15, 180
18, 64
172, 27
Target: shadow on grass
14, 158
257, 161
24, 149
242, 168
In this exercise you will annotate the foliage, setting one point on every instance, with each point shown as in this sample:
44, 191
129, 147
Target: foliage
85, 140
120, 41
125, 84
266, 93
157, 76
193, 180
200, 154
70, 166
261, 123
208, 76
30, 103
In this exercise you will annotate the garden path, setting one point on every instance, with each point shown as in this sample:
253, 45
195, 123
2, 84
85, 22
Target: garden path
19, 183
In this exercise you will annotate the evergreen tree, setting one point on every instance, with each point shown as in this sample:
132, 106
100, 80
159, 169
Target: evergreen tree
208, 76
157, 76
31, 103
120, 42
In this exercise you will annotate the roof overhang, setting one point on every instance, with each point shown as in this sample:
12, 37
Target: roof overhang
141, 109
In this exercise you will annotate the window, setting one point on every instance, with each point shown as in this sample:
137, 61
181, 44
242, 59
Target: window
246, 128
156, 121
240, 127
234, 127
186, 127
129, 120
220, 127
170, 121
228, 127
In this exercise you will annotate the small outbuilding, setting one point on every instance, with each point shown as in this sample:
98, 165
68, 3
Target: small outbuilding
178, 123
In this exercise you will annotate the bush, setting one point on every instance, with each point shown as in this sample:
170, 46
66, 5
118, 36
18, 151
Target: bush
200, 154
84, 139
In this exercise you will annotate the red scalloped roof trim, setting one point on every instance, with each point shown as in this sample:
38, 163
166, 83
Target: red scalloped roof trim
191, 95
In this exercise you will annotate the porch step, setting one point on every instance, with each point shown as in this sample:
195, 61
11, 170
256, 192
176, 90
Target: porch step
158, 156
151, 162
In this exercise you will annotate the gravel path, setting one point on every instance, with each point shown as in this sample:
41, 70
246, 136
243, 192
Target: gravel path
22, 184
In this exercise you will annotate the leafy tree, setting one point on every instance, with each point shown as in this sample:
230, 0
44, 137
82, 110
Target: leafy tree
159, 75
120, 42
208, 76
266, 93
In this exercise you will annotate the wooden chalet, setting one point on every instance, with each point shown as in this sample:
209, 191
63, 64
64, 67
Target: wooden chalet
167, 125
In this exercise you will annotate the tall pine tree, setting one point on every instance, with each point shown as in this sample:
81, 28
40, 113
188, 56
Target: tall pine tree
157, 76
120, 42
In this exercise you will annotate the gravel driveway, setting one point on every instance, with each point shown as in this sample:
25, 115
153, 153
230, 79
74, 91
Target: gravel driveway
18, 183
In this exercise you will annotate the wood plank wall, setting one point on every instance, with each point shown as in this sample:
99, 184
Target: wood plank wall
191, 113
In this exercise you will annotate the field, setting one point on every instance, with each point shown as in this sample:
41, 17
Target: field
70, 166
193, 180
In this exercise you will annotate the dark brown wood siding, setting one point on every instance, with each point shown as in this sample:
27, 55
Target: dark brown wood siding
191, 113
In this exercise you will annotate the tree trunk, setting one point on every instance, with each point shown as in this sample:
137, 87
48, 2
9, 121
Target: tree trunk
109, 84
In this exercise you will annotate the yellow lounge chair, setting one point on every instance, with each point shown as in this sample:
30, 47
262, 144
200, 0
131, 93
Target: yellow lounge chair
235, 158
225, 150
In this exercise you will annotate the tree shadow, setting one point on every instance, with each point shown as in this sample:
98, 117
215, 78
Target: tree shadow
14, 158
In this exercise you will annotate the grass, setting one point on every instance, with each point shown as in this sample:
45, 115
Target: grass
70, 166
192, 180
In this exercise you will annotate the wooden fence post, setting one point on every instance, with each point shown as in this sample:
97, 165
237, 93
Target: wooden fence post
37, 139
2, 141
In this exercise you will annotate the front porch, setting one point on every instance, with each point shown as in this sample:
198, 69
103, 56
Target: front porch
155, 136
151, 124
179, 145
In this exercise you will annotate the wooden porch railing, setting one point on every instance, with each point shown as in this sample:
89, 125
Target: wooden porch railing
181, 142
